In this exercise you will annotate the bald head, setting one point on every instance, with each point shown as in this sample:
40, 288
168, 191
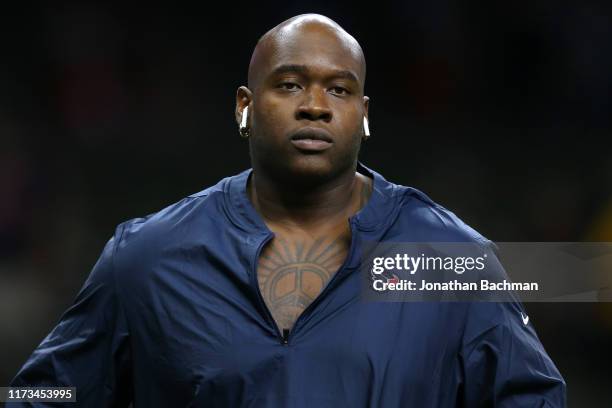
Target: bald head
307, 112
305, 31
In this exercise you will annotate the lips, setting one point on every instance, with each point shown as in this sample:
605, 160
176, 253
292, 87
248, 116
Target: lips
311, 139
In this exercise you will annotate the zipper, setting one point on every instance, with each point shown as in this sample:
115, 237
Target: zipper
286, 334
283, 339
329, 283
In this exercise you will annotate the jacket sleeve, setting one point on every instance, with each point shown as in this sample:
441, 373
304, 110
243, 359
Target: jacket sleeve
504, 363
89, 347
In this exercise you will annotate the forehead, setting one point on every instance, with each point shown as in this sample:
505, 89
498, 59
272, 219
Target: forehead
319, 50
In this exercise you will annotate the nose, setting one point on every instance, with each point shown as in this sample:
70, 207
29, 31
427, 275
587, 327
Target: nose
314, 106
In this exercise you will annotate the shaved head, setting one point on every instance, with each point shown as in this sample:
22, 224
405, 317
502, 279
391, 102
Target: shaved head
306, 105
296, 32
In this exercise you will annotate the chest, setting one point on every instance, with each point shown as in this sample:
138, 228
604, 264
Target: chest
293, 270
349, 342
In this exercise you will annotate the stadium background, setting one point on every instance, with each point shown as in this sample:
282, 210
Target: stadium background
500, 111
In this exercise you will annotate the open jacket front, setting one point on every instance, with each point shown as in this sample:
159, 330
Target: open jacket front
171, 316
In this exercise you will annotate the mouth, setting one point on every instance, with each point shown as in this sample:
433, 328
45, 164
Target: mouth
311, 139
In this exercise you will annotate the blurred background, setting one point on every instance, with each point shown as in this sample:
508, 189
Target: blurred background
499, 111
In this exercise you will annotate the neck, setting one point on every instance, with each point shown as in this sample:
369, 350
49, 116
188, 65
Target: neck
306, 206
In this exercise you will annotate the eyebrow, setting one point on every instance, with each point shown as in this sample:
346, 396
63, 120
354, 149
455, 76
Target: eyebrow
303, 69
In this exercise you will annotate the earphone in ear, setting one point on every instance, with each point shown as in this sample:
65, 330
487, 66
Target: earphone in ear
244, 130
366, 128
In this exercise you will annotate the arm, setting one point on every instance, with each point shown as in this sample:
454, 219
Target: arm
89, 347
504, 362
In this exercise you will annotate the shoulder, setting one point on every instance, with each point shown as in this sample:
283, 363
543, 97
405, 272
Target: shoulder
142, 238
430, 220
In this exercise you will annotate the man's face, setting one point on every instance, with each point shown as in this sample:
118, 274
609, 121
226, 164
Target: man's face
307, 107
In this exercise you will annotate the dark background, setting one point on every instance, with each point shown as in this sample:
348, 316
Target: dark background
499, 111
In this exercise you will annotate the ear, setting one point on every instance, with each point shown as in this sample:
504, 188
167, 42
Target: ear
366, 103
243, 98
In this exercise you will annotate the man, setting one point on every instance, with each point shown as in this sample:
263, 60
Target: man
247, 294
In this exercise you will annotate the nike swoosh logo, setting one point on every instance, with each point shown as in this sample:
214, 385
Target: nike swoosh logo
525, 318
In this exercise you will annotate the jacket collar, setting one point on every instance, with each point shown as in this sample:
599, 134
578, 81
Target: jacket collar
379, 211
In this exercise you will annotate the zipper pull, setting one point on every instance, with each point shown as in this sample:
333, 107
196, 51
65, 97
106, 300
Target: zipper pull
285, 336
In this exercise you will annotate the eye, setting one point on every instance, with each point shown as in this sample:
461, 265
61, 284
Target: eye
289, 86
339, 90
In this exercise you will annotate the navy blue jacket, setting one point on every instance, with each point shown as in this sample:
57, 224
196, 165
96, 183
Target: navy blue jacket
171, 316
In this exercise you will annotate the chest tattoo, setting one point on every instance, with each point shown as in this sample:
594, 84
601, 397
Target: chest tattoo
292, 272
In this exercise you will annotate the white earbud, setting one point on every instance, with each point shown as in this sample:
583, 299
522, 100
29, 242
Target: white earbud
243, 129
366, 128
245, 114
